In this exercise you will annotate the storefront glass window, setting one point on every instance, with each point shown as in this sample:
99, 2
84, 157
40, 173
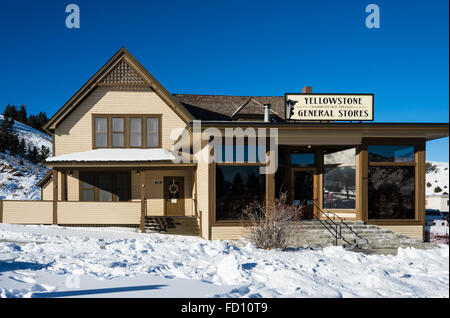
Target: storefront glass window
339, 179
382, 153
236, 187
391, 192
246, 153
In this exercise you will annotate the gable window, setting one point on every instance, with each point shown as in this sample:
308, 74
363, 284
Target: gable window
126, 131
135, 132
118, 132
152, 132
101, 132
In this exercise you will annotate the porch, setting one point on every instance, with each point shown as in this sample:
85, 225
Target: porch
141, 191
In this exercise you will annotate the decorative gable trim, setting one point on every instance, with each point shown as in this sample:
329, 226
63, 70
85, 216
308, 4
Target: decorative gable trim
123, 74
121, 71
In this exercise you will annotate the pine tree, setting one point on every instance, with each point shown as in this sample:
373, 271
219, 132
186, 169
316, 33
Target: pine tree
22, 114
10, 111
43, 153
6, 133
21, 148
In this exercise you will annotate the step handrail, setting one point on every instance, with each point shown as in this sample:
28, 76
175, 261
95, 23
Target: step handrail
341, 221
337, 234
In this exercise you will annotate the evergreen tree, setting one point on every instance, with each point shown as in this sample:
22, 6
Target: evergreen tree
21, 148
10, 111
33, 154
43, 153
6, 133
22, 114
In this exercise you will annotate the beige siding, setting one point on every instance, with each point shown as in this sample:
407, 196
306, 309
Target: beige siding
227, 232
203, 196
154, 189
73, 187
47, 191
60, 182
99, 212
415, 231
28, 212
74, 134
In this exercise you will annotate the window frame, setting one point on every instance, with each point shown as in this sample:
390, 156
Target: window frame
419, 182
127, 133
239, 164
110, 131
213, 171
143, 131
94, 131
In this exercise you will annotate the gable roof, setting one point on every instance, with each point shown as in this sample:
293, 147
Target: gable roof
252, 107
121, 70
223, 107
45, 179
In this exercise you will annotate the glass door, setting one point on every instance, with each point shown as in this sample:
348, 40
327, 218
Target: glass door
303, 194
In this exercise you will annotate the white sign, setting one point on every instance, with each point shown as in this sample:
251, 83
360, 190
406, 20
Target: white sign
333, 107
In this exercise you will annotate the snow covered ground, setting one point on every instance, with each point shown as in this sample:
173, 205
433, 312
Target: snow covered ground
52, 261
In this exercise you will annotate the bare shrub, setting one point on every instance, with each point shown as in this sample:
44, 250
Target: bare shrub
270, 230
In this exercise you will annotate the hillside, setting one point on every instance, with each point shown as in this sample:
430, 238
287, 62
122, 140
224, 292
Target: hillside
18, 176
437, 178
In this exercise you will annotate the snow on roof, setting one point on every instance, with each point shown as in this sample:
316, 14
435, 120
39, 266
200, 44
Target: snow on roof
124, 154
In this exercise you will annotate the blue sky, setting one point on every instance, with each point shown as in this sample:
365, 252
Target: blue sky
237, 47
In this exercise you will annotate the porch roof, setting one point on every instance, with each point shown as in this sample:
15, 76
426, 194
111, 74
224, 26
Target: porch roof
116, 155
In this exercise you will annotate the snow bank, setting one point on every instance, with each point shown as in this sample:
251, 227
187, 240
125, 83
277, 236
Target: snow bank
41, 257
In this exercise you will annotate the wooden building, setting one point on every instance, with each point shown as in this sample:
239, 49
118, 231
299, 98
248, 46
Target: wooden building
117, 147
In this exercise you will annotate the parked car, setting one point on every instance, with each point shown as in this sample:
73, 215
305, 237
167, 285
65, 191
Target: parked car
431, 215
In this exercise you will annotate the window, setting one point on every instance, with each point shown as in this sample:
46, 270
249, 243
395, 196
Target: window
339, 179
236, 187
118, 132
241, 153
101, 132
135, 132
391, 182
391, 153
391, 192
152, 132
303, 159
105, 186
87, 187
127, 131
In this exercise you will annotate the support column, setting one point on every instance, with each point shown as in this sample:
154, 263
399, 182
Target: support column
1, 211
143, 201
362, 190
420, 181
55, 196
270, 185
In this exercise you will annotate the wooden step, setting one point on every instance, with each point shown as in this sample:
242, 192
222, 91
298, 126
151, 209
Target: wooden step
178, 225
